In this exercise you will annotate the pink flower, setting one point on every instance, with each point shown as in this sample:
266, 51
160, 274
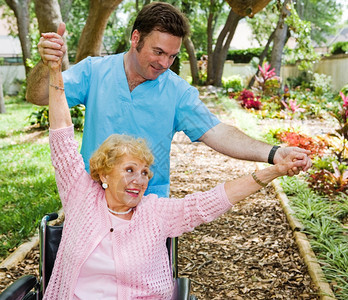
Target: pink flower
344, 106
345, 100
266, 74
294, 107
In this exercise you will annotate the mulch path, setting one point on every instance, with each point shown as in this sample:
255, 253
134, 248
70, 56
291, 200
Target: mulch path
248, 253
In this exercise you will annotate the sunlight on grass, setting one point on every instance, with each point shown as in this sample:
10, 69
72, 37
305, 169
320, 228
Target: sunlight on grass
27, 185
244, 120
16, 116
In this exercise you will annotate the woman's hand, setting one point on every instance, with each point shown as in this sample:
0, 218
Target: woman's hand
288, 154
55, 65
51, 45
295, 160
240, 188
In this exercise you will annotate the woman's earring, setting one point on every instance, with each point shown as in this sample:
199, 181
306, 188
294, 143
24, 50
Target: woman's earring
105, 185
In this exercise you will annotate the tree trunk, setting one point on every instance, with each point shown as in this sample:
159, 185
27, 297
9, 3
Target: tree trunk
280, 37
65, 6
190, 48
175, 67
262, 58
92, 34
49, 17
216, 62
210, 32
21, 11
2, 100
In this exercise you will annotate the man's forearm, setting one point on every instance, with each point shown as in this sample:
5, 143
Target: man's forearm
230, 141
37, 85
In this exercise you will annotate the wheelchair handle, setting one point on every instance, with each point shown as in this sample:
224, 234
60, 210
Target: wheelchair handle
51, 216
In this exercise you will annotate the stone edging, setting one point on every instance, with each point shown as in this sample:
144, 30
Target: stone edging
22, 251
314, 269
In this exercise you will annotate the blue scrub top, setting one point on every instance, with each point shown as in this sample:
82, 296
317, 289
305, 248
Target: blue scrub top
154, 110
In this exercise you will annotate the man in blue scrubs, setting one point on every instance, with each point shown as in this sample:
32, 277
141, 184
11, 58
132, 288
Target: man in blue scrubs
135, 93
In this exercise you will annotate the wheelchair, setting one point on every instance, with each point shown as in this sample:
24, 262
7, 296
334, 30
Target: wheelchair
28, 287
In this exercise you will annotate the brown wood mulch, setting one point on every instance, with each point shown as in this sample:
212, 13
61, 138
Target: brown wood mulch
249, 253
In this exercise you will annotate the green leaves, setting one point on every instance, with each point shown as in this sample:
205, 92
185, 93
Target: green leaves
325, 222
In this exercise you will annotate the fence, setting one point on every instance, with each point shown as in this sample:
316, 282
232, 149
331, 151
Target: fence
335, 66
10, 76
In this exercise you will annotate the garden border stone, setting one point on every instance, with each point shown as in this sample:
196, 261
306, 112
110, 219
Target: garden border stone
314, 269
22, 251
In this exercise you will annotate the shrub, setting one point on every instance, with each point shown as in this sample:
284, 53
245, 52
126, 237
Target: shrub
240, 56
78, 116
248, 100
40, 117
330, 182
321, 84
339, 48
234, 82
268, 82
294, 139
246, 55
298, 81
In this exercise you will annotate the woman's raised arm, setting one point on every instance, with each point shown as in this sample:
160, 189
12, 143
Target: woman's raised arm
59, 113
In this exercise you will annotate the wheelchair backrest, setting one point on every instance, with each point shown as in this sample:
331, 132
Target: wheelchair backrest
53, 237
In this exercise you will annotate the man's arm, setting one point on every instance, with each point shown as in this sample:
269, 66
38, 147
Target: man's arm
231, 141
37, 85
51, 48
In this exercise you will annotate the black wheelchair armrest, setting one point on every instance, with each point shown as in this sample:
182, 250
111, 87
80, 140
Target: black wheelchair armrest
19, 288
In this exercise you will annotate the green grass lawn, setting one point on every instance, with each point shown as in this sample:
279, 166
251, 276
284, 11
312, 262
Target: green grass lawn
27, 185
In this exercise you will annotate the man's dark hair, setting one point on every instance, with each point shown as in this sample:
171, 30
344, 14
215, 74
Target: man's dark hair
162, 17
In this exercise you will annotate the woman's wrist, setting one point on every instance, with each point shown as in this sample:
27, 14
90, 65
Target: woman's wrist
257, 180
265, 176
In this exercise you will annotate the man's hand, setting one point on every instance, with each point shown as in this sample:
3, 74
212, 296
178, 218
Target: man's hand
293, 154
51, 45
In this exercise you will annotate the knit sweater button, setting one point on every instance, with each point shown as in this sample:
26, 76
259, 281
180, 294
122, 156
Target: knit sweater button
111, 229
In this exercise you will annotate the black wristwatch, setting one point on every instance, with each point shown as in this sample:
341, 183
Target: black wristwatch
271, 154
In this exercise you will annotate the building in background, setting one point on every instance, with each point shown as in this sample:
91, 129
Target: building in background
12, 70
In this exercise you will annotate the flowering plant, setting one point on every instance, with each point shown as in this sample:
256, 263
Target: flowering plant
248, 100
266, 73
293, 106
295, 139
341, 134
344, 107
268, 81
329, 183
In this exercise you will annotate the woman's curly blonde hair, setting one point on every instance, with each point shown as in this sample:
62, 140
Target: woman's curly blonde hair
113, 148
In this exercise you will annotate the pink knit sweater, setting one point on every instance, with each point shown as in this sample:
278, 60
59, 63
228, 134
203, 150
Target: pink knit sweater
140, 253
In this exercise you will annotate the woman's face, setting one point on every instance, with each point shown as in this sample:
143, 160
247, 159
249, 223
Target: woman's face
127, 183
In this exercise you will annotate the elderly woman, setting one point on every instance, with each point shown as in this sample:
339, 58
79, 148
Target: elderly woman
114, 238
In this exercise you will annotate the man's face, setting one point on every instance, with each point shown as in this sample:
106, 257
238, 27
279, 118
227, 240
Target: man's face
157, 54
